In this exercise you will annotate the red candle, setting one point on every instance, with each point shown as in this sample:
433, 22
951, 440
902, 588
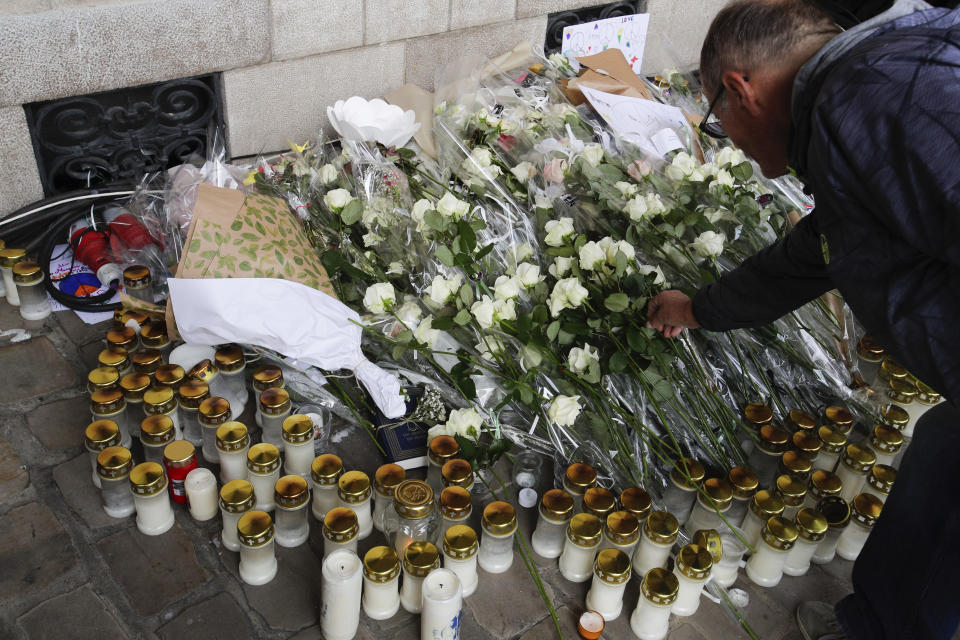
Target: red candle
179, 459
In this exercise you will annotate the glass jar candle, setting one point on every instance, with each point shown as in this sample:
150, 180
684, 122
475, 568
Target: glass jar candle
201, 487
102, 378
621, 530
460, 550
611, 572
8, 260
385, 481
456, 472
822, 485
156, 432
124, 337
880, 481
263, 471
419, 559
800, 420
659, 533
681, 492
527, 467
115, 357
713, 502
160, 401
744, 483
113, 467
578, 477
865, 510
34, 301
274, 409
153, 335
853, 469
179, 459
811, 527
764, 506
793, 493
340, 530
213, 412
556, 509
480, 496
171, 375
146, 361
496, 542
108, 404
265, 377
229, 360
236, 499
99, 435
772, 441
837, 512
456, 507
233, 443
807, 444
353, 492
134, 385
442, 595
297, 436
292, 495
325, 471
796, 465
258, 560
637, 501
440, 450
148, 483
381, 583
599, 501
886, 443
839, 418
692, 568
725, 569
414, 516
192, 393
584, 533
869, 356
138, 283
832, 442
765, 566
658, 592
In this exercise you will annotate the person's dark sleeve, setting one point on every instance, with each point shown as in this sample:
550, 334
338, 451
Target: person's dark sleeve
775, 281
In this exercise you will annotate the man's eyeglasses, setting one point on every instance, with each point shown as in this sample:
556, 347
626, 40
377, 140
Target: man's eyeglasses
713, 129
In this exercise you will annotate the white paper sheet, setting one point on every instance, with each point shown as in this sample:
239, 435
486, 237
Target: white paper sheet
62, 265
650, 125
627, 33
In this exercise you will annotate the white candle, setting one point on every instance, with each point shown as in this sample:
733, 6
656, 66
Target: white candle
681, 491
96, 437
341, 586
621, 530
9, 258
353, 492
156, 432
297, 445
291, 496
148, 482
233, 443
811, 526
765, 567
832, 442
263, 471
190, 394
726, 569
442, 596
201, 486
765, 505
339, 530
214, 411
692, 568
381, 583
236, 499
611, 572
659, 533
496, 543
580, 547
274, 409
837, 512
460, 556
853, 469
440, 449
866, 509
658, 592
113, 467
579, 477
33, 298
230, 361
109, 404
161, 401
385, 481
419, 559
325, 471
258, 561
556, 509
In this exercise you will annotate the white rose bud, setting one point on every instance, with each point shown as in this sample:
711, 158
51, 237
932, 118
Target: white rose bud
724, 178
558, 231
379, 297
506, 288
659, 280
709, 244
442, 289
524, 171
409, 312
593, 154
465, 423
504, 310
425, 332
655, 205
483, 310
337, 199
591, 256
579, 360
528, 275
620, 246
482, 156
637, 208
450, 206
627, 189
328, 174
420, 207
564, 410
560, 267
573, 291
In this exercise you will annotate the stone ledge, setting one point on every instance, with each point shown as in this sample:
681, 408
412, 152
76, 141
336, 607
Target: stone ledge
17, 159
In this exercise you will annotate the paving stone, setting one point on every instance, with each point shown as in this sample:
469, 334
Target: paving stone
290, 601
79, 609
76, 486
766, 618
33, 368
10, 317
60, 424
815, 585
355, 447
168, 560
218, 617
79, 331
14, 476
89, 353
546, 630
35, 551
840, 569
514, 591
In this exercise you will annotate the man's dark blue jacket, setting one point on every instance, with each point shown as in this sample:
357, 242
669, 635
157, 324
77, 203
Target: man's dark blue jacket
876, 137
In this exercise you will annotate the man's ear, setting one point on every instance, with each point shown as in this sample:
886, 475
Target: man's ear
741, 94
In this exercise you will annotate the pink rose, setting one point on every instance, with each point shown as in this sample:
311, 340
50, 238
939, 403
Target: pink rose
555, 170
638, 169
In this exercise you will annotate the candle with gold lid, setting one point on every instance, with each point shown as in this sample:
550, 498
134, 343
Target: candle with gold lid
439, 450
297, 435
263, 471
230, 361
599, 501
138, 283
658, 591
419, 559
865, 509
692, 568
765, 566
903, 392
115, 357
123, 337
880, 481
460, 548
837, 512
122, 316
793, 492
757, 414
109, 404
236, 498
926, 394
621, 530
340, 530
113, 467
822, 484
146, 361
233, 443
456, 505
162, 401
894, 416
807, 443
102, 378
381, 583
832, 442
681, 492
325, 471
258, 560
134, 385
584, 533
811, 528
385, 481
555, 511
148, 483
796, 465
99, 435
578, 477
839, 418
869, 356
156, 432
886, 443
170, 375
191, 395
890, 369
764, 506
414, 515
457, 472
637, 501
800, 420
275, 407
213, 412
291, 495
153, 335
853, 469
611, 572
744, 483
772, 441
9, 257
713, 503
267, 376
354, 492
34, 301
496, 544
659, 533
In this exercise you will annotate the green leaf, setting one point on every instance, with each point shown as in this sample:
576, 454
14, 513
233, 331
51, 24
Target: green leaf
565, 338
467, 236
484, 251
245, 266
259, 227
434, 220
246, 235
352, 212
208, 254
637, 340
444, 255
619, 362
552, 330
463, 317
617, 302
743, 171
466, 294
468, 448
562, 252
398, 351
236, 226
540, 314
576, 328
442, 324
526, 396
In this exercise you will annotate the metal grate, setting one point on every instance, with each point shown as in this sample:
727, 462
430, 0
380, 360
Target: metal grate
121, 135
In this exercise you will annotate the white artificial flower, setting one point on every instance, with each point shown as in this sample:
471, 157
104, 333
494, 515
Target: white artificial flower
558, 231
420, 207
709, 244
337, 199
489, 347
442, 289
465, 423
506, 288
528, 275
628, 189
637, 208
483, 310
593, 154
379, 297
560, 267
579, 360
723, 178
524, 171
425, 332
564, 410
328, 174
659, 280
450, 206
543, 202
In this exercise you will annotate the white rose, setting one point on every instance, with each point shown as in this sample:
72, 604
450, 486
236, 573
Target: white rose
564, 410
558, 231
524, 171
483, 310
504, 310
723, 178
696, 176
655, 205
709, 169
506, 288
579, 360
379, 297
627, 189
522, 251
328, 174
465, 423
709, 244
528, 275
420, 207
560, 267
337, 199
573, 291
543, 202
482, 156
442, 289
395, 268
684, 162
646, 269
729, 156
409, 312
674, 173
425, 332
637, 208
591, 256
452, 207
714, 215
620, 246
593, 154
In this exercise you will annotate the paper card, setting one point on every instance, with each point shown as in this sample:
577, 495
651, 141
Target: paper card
639, 120
75, 278
626, 33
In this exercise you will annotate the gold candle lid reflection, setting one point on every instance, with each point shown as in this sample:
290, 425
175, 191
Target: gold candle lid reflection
839, 417
340, 524
263, 458
766, 504
585, 530
801, 420
214, 410
869, 349
229, 358
232, 436
716, 493
237, 496
660, 586
612, 566
114, 357
791, 490
266, 376
859, 458
157, 430
274, 401
457, 472
637, 501
147, 479
807, 443
114, 463
886, 439
882, 477
662, 527
326, 469
811, 524
107, 401
687, 473
146, 360
455, 503
744, 482
291, 492
796, 464
101, 434
420, 558
499, 518
443, 448
387, 477
579, 477
381, 564
134, 385
413, 499
780, 533
556, 505
460, 542
102, 378
255, 529
866, 509
710, 540
758, 413
297, 429
694, 562
354, 487
773, 438
192, 393
895, 416
825, 483
833, 439
622, 528
124, 337
599, 502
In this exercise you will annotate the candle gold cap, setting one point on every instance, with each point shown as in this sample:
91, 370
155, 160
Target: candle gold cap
266, 376
457, 472
147, 479
791, 490
622, 528
353, 487
796, 464
134, 385
832, 439
124, 337
157, 430
115, 357
925, 393
10, 257
869, 349
101, 434
192, 393
882, 477
153, 334
387, 477
766, 504
807, 443
214, 411
170, 375
839, 417
579, 477
109, 400
662, 527
146, 360
326, 469
413, 499
340, 524
229, 358
291, 492
710, 540
274, 401
381, 564
836, 510
637, 501
744, 482
255, 529
585, 530
263, 458
866, 509
442, 448
460, 542
758, 413
687, 473
800, 420
901, 391
773, 438
114, 462
26, 272
237, 496
890, 370
123, 316
859, 458
811, 524
556, 505
694, 562
136, 275
232, 436
894, 416
204, 370
780, 533
499, 518
612, 566
179, 453
159, 400
825, 483
297, 429
660, 586
599, 502
716, 493
886, 439
420, 558
456, 503
102, 378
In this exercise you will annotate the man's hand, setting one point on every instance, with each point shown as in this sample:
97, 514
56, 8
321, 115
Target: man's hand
670, 312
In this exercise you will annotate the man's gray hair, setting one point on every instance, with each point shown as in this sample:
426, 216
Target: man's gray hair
747, 34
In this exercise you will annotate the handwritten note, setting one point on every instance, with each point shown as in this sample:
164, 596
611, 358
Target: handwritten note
652, 126
626, 33
75, 278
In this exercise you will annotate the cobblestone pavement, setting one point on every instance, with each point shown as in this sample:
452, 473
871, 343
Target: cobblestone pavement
69, 571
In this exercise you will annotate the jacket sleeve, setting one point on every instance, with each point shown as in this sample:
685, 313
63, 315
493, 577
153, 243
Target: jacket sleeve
775, 281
